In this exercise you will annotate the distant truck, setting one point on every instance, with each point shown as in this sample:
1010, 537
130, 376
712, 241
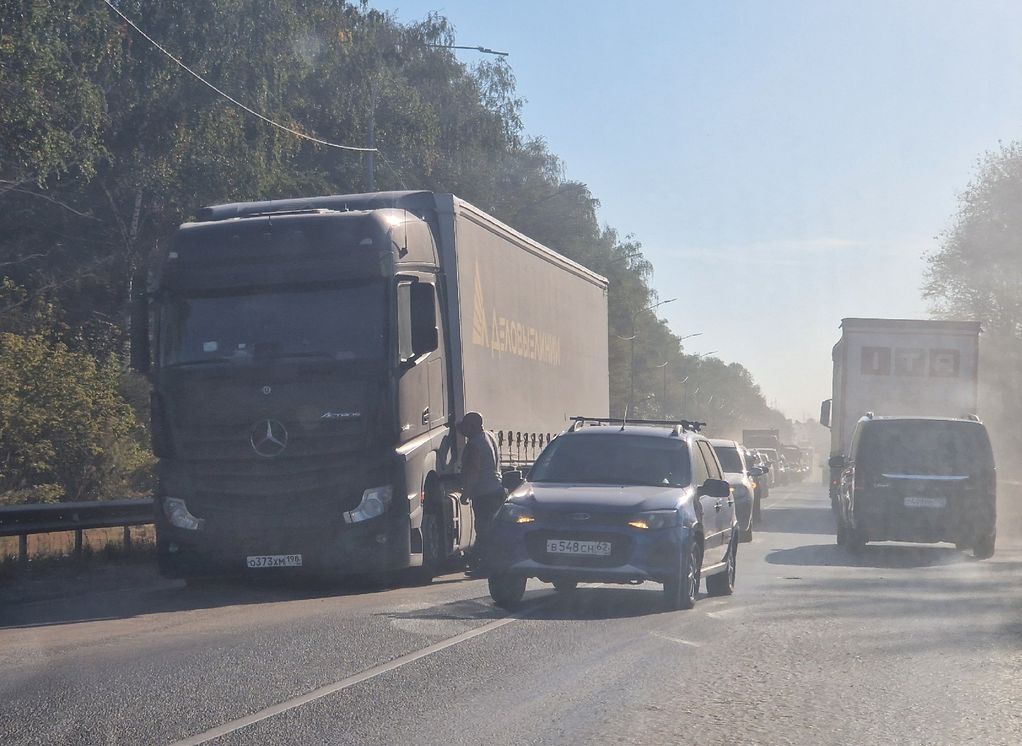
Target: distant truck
310, 357
762, 439
899, 367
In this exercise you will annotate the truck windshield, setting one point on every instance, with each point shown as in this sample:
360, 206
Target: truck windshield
925, 448
613, 459
336, 322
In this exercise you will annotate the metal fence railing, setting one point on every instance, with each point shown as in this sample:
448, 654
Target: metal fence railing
45, 518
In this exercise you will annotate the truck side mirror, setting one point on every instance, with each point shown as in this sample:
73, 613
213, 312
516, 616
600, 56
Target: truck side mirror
837, 462
425, 336
825, 412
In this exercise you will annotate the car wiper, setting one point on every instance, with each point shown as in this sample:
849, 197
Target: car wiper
282, 355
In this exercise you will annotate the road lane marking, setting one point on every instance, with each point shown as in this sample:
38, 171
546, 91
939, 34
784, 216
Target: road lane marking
675, 639
358, 678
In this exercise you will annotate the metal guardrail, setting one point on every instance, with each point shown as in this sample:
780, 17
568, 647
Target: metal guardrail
45, 518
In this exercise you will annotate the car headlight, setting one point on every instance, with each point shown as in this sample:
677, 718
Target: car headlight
177, 514
655, 519
375, 502
515, 513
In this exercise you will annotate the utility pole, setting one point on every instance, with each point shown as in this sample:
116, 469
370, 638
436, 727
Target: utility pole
374, 94
371, 156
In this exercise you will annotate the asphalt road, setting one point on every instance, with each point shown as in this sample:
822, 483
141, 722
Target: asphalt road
906, 644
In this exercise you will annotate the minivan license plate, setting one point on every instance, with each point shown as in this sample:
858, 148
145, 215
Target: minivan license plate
569, 546
925, 502
274, 560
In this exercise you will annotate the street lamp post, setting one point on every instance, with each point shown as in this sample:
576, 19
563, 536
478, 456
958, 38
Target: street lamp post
631, 351
373, 94
663, 365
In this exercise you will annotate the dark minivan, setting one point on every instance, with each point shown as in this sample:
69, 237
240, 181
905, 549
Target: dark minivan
918, 479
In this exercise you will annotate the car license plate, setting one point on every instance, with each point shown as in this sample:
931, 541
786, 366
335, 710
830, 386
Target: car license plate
274, 560
570, 546
925, 502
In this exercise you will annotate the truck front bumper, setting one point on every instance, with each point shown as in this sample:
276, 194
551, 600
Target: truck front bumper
376, 545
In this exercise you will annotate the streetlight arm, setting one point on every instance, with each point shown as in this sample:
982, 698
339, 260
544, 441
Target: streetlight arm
483, 50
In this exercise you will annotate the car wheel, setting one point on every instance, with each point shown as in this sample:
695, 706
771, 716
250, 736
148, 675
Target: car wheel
680, 591
842, 531
756, 509
565, 586
507, 590
723, 583
855, 539
745, 535
432, 552
984, 548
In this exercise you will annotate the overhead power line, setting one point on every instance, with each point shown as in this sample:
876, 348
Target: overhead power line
233, 100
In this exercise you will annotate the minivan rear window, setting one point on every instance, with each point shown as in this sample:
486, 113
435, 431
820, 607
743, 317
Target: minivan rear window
925, 447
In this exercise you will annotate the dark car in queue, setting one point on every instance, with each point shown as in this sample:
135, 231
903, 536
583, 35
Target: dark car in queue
619, 504
918, 479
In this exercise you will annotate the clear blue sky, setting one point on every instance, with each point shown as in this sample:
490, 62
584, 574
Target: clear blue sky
785, 164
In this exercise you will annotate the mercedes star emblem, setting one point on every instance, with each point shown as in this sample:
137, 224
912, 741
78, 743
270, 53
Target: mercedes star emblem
268, 438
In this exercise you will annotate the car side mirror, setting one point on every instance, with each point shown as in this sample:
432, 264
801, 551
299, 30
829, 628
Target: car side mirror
512, 480
837, 462
757, 471
715, 488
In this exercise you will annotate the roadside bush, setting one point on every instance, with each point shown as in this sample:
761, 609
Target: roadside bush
66, 431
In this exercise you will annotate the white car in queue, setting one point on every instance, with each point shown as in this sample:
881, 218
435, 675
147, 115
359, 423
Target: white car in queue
740, 475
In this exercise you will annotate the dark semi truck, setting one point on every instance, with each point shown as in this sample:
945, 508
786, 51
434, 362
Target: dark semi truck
310, 357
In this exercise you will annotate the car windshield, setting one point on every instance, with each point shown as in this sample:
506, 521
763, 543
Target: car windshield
730, 461
614, 459
925, 448
340, 323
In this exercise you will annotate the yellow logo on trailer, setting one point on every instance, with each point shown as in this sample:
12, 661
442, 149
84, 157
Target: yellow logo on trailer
506, 335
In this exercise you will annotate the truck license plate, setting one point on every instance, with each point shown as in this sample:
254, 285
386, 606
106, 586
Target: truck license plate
274, 560
925, 502
569, 546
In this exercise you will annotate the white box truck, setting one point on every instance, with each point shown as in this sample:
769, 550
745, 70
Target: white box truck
899, 367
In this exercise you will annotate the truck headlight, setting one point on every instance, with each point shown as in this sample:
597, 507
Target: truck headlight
654, 519
375, 502
177, 514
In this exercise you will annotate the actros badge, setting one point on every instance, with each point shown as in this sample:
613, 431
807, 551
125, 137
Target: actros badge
268, 438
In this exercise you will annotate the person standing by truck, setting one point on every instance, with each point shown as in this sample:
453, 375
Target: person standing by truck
481, 482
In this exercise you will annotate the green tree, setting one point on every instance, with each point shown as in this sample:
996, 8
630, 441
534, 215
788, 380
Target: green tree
66, 431
976, 273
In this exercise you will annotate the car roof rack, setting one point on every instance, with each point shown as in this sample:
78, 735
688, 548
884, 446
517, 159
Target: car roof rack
680, 426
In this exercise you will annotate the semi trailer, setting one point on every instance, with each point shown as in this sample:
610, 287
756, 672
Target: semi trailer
310, 357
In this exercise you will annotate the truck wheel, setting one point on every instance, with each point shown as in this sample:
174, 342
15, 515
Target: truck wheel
432, 551
680, 591
507, 590
723, 583
984, 548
